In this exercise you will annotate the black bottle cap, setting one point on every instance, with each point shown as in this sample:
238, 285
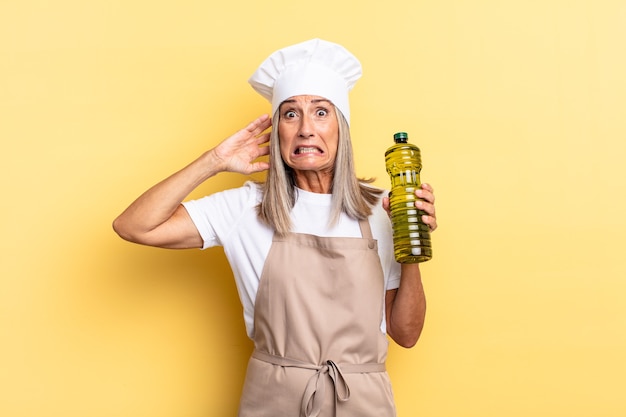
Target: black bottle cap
401, 137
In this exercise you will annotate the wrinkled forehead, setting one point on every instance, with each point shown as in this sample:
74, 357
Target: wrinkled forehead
305, 99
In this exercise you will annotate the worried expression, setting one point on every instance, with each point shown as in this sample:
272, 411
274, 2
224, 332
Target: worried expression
309, 133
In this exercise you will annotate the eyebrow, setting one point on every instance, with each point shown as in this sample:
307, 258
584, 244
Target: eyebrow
315, 101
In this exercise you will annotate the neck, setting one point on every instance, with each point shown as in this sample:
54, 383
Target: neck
314, 181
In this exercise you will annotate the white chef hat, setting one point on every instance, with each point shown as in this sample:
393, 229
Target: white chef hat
315, 67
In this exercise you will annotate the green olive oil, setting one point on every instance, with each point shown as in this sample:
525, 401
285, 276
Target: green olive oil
411, 236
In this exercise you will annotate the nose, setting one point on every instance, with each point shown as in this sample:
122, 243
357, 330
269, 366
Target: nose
306, 127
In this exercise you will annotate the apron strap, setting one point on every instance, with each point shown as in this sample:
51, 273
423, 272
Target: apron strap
313, 398
366, 230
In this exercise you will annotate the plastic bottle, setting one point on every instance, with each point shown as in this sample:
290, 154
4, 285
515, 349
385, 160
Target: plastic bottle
411, 236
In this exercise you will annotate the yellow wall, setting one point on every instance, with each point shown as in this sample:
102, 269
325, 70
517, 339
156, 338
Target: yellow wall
518, 107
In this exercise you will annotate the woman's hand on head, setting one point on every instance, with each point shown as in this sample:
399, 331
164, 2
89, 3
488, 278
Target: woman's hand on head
238, 153
426, 202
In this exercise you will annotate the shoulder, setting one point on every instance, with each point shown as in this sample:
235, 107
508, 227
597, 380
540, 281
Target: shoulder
219, 216
226, 205
379, 219
247, 194
376, 202
248, 191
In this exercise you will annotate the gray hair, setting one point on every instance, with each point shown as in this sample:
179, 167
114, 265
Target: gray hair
350, 195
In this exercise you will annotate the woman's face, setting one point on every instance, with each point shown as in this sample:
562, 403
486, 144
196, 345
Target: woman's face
309, 134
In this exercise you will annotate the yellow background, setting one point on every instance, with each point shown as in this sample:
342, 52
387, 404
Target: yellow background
518, 107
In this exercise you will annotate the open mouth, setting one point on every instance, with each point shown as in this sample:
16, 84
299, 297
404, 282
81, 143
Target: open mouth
308, 150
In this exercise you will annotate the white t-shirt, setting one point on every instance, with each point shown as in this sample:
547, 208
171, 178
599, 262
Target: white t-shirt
229, 219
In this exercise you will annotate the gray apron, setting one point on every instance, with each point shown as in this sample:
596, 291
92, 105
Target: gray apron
319, 351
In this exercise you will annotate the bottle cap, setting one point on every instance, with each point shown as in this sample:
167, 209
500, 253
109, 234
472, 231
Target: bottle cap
400, 137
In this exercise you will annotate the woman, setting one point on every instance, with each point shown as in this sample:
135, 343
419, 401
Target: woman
310, 248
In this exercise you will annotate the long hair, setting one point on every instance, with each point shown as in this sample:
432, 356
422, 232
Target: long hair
350, 195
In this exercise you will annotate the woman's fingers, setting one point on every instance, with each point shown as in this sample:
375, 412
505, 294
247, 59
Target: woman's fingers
427, 204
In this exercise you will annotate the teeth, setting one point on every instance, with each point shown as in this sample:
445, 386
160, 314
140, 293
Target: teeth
307, 150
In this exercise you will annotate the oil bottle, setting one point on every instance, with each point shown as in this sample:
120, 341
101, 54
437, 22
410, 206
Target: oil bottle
411, 236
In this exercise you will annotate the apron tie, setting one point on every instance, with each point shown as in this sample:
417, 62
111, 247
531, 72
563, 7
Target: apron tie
313, 398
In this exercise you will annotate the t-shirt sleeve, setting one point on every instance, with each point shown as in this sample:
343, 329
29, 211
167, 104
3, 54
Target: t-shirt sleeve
394, 279
216, 215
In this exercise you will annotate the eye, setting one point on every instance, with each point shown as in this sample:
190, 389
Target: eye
322, 112
290, 114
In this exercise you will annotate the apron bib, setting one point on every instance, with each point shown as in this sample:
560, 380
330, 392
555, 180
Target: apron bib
319, 351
